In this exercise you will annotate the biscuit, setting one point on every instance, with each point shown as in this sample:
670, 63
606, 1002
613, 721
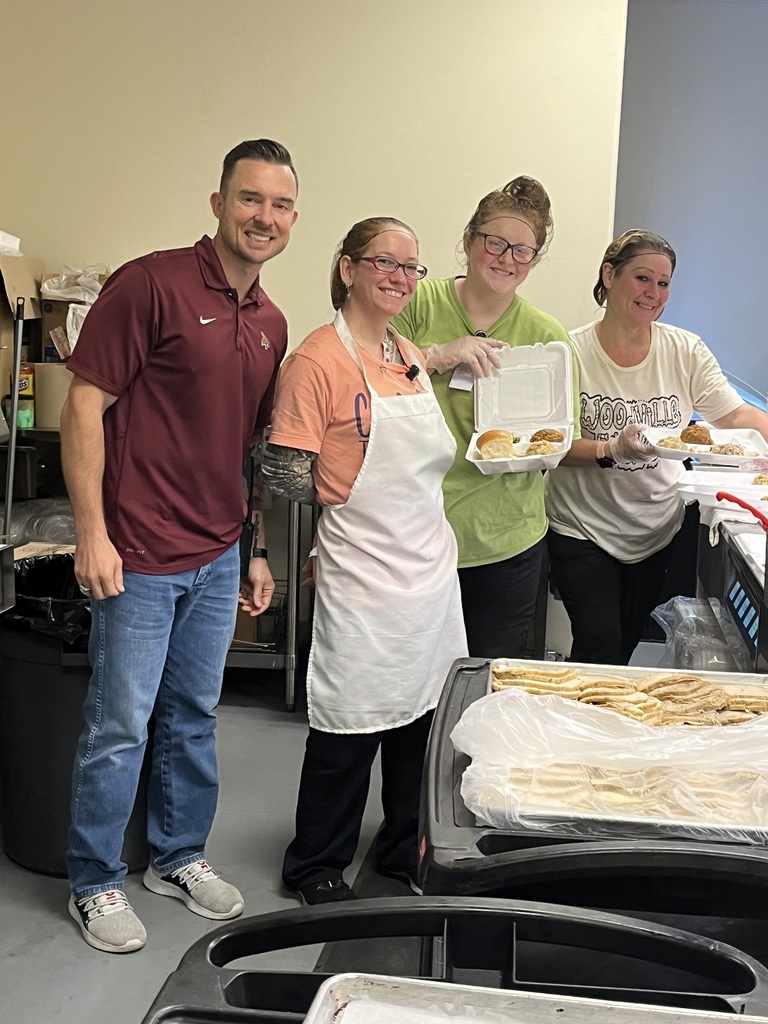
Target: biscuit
696, 434
547, 434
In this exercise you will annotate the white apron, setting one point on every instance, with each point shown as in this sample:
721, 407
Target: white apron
387, 622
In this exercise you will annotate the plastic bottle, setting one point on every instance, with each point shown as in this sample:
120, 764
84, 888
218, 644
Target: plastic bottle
27, 380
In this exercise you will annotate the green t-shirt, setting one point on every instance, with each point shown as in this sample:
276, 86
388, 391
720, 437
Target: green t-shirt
500, 515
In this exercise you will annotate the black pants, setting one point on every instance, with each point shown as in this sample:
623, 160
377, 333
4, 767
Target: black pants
608, 601
333, 790
499, 600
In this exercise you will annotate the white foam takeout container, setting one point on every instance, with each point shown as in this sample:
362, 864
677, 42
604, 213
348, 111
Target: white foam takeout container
532, 390
749, 439
378, 999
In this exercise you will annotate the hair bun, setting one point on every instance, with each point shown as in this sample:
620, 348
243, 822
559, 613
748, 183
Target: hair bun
529, 191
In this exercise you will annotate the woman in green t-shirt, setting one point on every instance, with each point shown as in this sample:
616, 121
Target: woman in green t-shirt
499, 520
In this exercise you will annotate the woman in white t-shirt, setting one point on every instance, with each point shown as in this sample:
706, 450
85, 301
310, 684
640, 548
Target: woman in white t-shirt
613, 506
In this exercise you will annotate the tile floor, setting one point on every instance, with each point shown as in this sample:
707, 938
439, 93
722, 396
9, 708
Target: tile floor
47, 971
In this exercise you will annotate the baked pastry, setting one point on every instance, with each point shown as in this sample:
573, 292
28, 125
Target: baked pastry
541, 448
547, 434
696, 434
496, 444
761, 480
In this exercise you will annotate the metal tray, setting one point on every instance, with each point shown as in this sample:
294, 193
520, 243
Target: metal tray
377, 999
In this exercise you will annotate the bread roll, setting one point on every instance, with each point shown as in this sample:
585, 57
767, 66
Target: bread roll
496, 444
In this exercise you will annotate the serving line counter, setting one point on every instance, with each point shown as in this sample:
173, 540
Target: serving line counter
461, 855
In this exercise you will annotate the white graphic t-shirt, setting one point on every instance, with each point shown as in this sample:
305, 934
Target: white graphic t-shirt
631, 512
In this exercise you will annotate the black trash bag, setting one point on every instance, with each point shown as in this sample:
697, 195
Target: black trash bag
49, 601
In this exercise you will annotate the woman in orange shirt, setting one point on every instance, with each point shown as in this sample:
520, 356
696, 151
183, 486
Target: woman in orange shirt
356, 425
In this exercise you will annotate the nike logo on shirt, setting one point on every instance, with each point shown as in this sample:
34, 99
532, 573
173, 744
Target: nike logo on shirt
209, 321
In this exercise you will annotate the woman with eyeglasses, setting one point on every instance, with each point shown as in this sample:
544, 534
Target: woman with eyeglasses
356, 426
462, 322
614, 509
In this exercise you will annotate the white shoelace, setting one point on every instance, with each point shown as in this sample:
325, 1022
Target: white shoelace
103, 903
194, 874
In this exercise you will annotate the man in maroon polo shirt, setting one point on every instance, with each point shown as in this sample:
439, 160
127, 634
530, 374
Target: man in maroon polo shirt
174, 374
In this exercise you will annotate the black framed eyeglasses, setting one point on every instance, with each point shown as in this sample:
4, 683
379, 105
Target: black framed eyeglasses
386, 265
496, 246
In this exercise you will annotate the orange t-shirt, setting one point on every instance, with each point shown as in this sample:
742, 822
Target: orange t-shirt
323, 405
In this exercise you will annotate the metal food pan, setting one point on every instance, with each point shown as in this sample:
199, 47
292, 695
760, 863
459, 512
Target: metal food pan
377, 999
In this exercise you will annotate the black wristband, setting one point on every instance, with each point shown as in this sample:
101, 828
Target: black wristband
606, 462
259, 553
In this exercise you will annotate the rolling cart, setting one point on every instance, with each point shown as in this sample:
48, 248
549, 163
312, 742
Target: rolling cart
461, 856
497, 944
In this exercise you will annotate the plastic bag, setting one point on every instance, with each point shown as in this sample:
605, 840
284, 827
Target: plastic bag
42, 519
700, 637
75, 285
557, 765
75, 317
49, 601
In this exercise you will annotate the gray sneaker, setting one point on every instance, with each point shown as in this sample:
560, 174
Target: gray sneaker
108, 922
201, 889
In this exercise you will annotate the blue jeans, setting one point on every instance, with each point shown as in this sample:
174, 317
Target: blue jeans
161, 645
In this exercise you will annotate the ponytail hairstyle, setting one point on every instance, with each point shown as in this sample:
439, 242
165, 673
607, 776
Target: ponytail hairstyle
354, 244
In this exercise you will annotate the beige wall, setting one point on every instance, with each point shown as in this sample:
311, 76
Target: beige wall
115, 117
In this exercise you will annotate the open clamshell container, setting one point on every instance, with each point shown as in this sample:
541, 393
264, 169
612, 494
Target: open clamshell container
532, 390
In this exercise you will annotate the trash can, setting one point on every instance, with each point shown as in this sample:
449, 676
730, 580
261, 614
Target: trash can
43, 683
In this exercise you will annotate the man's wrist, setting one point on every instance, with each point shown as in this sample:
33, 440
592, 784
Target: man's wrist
259, 553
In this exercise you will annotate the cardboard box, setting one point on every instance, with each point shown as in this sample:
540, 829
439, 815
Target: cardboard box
54, 316
51, 388
20, 277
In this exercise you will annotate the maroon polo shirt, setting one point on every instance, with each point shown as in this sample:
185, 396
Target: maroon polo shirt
193, 372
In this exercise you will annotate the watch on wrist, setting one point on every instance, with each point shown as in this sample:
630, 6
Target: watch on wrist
606, 462
259, 553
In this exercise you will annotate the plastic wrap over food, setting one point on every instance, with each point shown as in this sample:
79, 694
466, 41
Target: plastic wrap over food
42, 519
551, 764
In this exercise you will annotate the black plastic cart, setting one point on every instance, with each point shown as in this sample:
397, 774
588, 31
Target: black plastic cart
461, 856
505, 944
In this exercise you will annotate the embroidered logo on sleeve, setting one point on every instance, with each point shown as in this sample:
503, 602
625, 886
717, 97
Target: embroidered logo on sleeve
264, 340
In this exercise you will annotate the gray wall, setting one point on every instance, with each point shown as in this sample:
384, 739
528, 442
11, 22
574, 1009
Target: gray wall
693, 166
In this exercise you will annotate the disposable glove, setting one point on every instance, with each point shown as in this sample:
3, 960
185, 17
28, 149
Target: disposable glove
478, 353
631, 445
